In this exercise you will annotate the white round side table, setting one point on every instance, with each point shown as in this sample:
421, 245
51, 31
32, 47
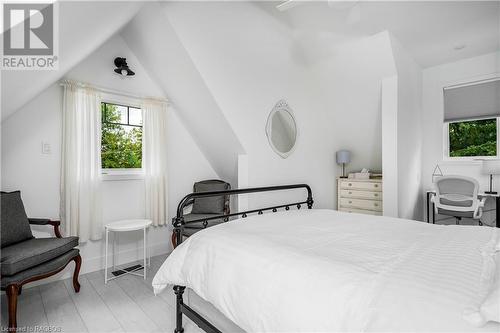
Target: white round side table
123, 226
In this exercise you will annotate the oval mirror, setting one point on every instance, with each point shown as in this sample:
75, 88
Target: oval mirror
281, 129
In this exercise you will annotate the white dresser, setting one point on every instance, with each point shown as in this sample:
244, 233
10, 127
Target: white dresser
360, 195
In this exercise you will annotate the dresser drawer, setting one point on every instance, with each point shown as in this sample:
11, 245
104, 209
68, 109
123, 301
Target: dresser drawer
360, 211
361, 204
370, 186
361, 194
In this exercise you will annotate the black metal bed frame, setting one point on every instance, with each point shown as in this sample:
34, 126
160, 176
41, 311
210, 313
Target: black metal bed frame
179, 223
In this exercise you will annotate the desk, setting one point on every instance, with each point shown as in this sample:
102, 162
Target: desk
497, 206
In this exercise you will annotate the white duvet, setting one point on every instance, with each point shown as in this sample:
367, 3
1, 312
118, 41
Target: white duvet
324, 271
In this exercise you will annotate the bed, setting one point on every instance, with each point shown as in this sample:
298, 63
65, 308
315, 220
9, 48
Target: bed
319, 270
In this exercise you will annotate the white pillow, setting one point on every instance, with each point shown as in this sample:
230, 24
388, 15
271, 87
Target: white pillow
489, 309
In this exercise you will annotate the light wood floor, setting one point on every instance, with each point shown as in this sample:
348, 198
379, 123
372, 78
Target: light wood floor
126, 304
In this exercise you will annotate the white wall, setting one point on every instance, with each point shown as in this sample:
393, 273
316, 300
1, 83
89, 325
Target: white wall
248, 69
350, 83
409, 132
390, 183
24, 167
350, 86
434, 79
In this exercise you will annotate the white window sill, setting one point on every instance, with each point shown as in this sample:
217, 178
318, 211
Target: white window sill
122, 174
467, 160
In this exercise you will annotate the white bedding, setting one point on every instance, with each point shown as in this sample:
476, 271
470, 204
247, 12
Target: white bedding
323, 270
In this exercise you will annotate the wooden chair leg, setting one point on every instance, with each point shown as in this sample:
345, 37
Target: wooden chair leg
174, 240
12, 292
78, 264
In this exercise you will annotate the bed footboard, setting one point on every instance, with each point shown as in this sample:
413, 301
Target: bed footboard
179, 223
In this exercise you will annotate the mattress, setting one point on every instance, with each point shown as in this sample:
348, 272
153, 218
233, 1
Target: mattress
324, 271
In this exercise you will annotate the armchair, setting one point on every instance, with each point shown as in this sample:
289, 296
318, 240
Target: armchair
24, 258
206, 207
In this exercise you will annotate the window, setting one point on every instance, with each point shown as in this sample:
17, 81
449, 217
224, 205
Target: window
471, 118
473, 138
121, 140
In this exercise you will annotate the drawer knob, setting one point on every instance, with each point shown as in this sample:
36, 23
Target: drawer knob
376, 194
376, 185
375, 204
350, 192
350, 201
350, 184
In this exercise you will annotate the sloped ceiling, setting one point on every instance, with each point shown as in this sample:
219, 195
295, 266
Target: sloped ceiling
429, 30
83, 27
97, 69
153, 40
86, 26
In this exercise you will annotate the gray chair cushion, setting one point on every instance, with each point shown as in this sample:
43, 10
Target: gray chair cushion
455, 213
210, 205
463, 203
20, 256
191, 229
48, 267
14, 222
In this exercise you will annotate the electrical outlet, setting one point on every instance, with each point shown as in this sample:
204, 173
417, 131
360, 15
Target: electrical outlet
46, 148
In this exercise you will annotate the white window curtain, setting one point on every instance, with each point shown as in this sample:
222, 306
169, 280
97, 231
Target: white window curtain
81, 211
154, 159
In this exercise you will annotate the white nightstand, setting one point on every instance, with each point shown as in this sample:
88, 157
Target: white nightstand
123, 226
360, 195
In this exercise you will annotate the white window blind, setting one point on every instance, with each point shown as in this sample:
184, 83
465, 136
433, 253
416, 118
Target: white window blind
473, 101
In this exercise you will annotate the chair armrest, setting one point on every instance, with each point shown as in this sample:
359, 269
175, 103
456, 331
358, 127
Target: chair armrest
478, 213
38, 221
187, 207
433, 197
55, 224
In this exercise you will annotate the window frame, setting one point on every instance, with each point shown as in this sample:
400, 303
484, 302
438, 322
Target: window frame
121, 173
464, 81
128, 114
446, 141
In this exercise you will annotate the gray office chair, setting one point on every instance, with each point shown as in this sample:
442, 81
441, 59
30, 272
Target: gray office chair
457, 196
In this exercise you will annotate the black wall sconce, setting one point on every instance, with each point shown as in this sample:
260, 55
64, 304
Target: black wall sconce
122, 67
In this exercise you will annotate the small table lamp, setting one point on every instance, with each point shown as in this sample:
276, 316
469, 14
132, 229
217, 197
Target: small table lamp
491, 167
343, 157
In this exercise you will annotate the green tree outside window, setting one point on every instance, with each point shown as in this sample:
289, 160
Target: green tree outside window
473, 138
121, 144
